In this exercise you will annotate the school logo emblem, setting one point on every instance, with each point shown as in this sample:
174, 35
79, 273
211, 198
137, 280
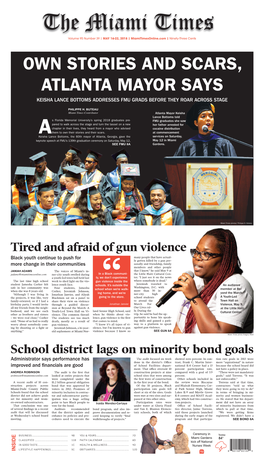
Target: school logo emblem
209, 186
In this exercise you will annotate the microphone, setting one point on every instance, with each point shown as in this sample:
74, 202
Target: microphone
205, 129
170, 292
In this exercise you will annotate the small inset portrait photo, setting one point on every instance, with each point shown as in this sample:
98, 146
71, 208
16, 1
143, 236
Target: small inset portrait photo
111, 379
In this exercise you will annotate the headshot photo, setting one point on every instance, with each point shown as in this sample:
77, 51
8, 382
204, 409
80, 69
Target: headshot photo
111, 379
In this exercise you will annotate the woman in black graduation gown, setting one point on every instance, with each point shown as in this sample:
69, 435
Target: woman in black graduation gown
71, 159
200, 118
125, 203
89, 210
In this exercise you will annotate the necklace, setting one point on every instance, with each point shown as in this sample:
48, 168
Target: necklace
112, 384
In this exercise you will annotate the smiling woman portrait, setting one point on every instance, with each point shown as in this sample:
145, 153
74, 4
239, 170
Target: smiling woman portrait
219, 299
89, 209
113, 385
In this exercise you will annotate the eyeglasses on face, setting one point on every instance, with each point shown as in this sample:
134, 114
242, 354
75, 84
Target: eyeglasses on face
203, 255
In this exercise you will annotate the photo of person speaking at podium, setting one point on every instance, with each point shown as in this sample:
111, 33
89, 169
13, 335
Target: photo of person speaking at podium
218, 299
211, 182
201, 117
159, 212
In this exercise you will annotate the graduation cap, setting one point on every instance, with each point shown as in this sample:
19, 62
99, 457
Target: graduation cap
120, 154
93, 154
92, 189
39, 157
44, 187
129, 171
24, 172
197, 109
73, 171
158, 184
74, 150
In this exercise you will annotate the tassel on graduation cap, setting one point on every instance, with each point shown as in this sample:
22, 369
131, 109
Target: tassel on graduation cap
26, 185
89, 201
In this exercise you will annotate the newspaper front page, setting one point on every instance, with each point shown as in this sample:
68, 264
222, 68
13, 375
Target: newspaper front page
92, 353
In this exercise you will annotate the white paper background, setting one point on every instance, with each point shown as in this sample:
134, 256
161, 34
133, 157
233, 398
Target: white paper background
237, 27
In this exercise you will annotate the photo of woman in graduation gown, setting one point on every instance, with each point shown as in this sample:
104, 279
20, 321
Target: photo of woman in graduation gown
22, 195
89, 210
205, 143
160, 212
113, 385
206, 307
126, 201
43, 213
72, 158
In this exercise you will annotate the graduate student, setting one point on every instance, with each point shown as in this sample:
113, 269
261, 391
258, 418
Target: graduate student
72, 158
89, 209
121, 157
159, 212
43, 173
93, 174
73, 177
126, 201
201, 118
43, 213
22, 195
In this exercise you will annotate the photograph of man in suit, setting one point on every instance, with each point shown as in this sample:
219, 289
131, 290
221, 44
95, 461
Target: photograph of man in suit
151, 442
